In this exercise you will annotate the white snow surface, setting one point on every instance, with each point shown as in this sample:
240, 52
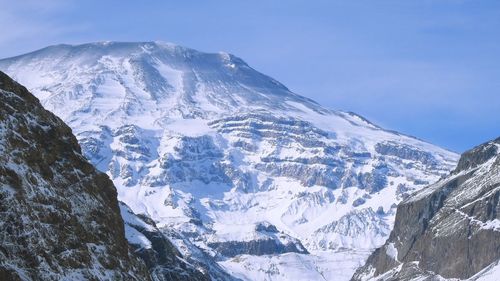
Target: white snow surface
490, 273
133, 236
392, 251
204, 144
293, 266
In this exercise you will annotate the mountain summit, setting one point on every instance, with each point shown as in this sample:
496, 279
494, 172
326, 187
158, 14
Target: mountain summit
128, 79
228, 161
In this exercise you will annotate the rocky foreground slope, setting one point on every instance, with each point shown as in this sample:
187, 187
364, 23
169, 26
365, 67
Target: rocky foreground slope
450, 229
59, 216
230, 164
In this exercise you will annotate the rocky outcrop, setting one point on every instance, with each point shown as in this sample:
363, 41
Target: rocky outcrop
405, 152
163, 260
268, 240
256, 247
450, 229
59, 217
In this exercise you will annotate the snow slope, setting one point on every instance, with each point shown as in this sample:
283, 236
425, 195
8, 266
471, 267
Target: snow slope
230, 159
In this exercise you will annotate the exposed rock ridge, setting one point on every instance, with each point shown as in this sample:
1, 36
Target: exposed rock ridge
59, 217
450, 229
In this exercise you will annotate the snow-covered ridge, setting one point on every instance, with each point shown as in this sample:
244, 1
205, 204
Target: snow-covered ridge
206, 145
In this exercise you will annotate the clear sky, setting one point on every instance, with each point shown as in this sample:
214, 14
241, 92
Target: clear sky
428, 68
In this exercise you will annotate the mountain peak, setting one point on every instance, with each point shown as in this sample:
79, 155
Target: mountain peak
145, 75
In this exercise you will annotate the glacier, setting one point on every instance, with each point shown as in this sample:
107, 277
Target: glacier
228, 162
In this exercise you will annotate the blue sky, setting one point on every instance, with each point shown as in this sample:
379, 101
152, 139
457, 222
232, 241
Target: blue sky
426, 68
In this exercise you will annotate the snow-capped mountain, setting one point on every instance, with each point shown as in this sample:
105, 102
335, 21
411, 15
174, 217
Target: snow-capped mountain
230, 162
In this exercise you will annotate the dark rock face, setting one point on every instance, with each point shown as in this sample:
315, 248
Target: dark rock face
255, 247
59, 217
477, 156
451, 228
270, 242
163, 260
266, 227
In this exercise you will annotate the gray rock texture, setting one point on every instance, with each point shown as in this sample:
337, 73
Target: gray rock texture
59, 216
162, 258
450, 229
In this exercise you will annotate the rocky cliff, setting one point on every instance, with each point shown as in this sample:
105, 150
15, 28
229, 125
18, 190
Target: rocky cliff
450, 229
162, 258
59, 216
